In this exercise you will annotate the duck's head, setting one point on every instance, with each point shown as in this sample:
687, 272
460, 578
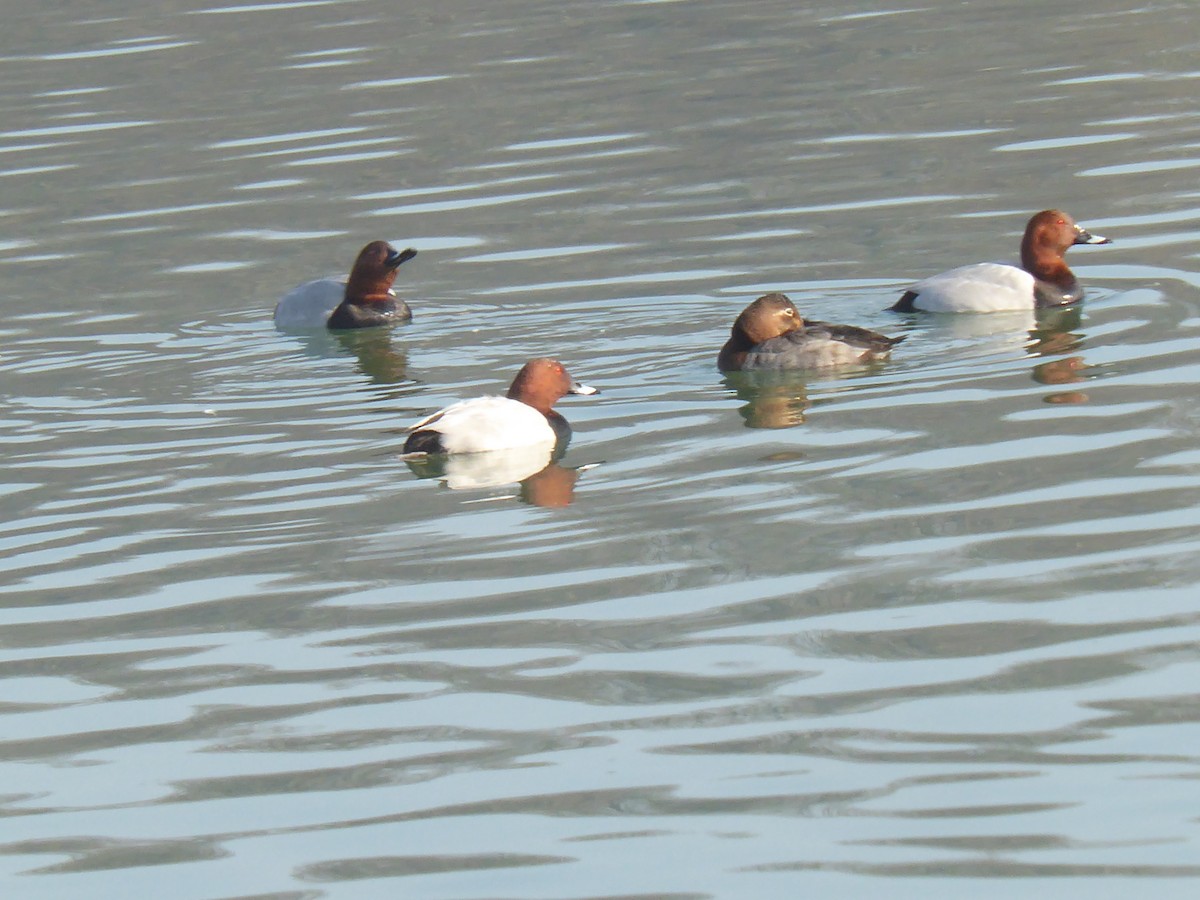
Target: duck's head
770, 316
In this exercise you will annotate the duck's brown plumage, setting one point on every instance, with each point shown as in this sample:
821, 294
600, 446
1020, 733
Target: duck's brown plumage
770, 333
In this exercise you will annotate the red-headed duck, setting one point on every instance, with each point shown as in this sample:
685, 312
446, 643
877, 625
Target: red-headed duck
524, 418
365, 299
771, 334
1043, 280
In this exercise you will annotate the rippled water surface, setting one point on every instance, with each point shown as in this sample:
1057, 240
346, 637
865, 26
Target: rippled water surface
926, 629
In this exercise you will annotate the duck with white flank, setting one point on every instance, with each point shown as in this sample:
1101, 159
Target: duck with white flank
364, 300
1042, 280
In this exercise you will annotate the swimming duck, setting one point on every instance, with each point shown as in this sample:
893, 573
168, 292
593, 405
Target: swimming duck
770, 333
366, 298
1042, 280
523, 418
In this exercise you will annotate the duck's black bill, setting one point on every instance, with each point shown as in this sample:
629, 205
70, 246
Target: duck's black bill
396, 257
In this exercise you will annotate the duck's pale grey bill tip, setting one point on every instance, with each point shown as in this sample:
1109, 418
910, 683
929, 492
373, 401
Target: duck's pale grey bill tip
1086, 237
585, 389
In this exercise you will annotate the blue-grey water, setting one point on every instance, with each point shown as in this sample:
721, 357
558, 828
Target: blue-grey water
930, 629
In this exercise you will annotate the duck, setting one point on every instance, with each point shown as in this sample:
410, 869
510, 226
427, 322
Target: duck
524, 418
770, 334
1043, 279
364, 300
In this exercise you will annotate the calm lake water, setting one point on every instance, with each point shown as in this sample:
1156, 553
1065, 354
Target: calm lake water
923, 630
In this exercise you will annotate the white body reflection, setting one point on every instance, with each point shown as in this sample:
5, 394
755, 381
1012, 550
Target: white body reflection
468, 471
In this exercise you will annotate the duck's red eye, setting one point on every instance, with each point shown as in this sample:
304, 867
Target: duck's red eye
1062, 221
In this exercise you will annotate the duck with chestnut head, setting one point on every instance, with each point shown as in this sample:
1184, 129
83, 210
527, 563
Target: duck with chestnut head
364, 300
1043, 280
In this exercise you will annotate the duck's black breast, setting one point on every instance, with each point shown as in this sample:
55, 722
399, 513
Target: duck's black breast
1048, 294
368, 315
562, 430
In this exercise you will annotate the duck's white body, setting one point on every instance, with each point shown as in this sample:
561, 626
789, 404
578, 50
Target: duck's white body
981, 287
309, 305
489, 423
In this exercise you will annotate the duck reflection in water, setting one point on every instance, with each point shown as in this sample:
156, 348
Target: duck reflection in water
1052, 335
541, 480
379, 357
772, 399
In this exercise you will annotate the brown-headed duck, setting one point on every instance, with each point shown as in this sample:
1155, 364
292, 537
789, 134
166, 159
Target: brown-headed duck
770, 334
1043, 279
364, 300
524, 418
